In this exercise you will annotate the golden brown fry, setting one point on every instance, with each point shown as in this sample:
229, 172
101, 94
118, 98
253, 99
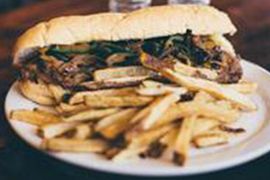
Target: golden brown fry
203, 96
170, 138
79, 97
141, 142
46, 110
144, 112
230, 130
146, 137
202, 125
92, 114
84, 131
211, 138
183, 141
158, 110
154, 88
135, 127
209, 110
67, 109
56, 129
115, 124
211, 87
57, 92
123, 115
159, 91
34, 118
194, 71
121, 72
151, 84
116, 101
114, 83
74, 145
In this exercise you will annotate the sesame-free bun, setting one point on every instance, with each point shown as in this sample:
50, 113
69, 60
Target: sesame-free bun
141, 24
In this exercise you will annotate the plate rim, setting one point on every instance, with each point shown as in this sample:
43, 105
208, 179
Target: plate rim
188, 171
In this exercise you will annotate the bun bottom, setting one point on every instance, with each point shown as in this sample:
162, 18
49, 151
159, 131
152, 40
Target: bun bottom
36, 92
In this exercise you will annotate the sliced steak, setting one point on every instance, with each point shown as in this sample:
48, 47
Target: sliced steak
230, 70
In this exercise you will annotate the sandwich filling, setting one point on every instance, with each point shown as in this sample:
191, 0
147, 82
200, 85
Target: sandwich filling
81, 66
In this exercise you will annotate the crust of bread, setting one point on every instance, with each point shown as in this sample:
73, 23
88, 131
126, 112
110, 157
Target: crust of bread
167, 20
66, 30
141, 24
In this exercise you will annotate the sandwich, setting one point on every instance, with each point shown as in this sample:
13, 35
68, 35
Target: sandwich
133, 84
116, 50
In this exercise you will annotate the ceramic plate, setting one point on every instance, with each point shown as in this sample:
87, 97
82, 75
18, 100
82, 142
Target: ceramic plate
245, 147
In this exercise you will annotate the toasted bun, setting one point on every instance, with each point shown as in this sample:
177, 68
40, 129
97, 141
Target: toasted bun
142, 24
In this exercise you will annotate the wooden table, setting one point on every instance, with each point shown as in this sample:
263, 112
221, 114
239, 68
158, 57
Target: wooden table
19, 161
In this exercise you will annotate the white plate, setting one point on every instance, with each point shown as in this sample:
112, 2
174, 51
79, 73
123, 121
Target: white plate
250, 145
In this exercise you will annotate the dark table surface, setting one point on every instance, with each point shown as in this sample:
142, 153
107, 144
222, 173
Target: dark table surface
18, 161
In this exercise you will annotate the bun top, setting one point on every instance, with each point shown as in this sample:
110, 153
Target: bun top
141, 24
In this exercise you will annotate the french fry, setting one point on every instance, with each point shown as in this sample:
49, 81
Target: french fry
141, 142
123, 115
170, 138
193, 71
203, 96
144, 112
111, 152
120, 72
146, 137
158, 110
211, 138
79, 97
244, 87
57, 92
154, 150
141, 115
74, 145
84, 131
34, 117
46, 110
151, 84
92, 114
211, 87
115, 124
116, 101
183, 141
64, 108
159, 91
114, 83
128, 154
113, 130
208, 110
154, 88
230, 130
55, 129
202, 125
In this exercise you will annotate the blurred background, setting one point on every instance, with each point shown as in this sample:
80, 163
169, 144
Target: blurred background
8, 5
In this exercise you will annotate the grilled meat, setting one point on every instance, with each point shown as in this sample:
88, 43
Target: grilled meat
72, 65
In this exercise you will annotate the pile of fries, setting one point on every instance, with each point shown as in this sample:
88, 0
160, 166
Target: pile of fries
144, 120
